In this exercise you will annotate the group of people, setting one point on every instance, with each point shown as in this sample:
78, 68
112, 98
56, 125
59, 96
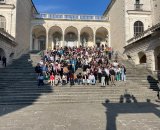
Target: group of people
83, 65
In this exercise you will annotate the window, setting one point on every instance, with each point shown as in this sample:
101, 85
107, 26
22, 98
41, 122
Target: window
137, 1
2, 22
138, 28
2, 1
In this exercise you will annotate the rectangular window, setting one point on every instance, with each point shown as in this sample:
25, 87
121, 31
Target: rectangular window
137, 1
2, 1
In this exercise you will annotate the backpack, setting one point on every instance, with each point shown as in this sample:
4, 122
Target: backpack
104, 73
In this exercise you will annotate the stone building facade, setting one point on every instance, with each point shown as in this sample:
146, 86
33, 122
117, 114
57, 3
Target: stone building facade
15, 19
129, 26
134, 30
7, 46
49, 33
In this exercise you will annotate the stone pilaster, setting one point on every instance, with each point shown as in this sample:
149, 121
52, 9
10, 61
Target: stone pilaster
150, 60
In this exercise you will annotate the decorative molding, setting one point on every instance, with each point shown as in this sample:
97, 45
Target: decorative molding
7, 6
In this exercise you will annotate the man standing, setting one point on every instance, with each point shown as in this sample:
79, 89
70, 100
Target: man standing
4, 60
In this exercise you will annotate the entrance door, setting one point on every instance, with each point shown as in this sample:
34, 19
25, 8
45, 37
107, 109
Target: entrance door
158, 62
98, 44
41, 45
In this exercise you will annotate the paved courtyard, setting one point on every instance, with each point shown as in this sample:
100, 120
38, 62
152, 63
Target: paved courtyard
97, 116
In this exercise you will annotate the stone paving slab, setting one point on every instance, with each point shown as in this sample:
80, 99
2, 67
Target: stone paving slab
81, 116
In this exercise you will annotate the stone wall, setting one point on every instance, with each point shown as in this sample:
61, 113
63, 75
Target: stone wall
9, 12
132, 15
156, 11
117, 25
23, 25
7, 48
148, 46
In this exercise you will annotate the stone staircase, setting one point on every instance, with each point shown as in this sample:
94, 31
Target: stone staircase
18, 85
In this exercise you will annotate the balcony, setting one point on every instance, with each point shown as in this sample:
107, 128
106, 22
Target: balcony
138, 7
70, 17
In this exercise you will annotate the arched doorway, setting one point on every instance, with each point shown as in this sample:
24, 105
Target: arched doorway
142, 58
55, 37
86, 36
41, 42
39, 38
71, 36
101, 37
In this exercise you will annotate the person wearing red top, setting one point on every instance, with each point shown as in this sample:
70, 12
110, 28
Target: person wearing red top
52, 78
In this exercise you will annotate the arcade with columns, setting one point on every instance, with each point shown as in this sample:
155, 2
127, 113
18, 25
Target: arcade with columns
53, 33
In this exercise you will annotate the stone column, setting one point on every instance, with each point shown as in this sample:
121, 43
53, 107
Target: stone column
79, 39
31, 39
94, 38
150, 60
63, 39
36, 44
47, 40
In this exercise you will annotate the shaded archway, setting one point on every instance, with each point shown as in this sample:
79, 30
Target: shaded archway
157, 58
142, 57
38, 37
71, 36
2, 53
86, 36
55, 37
101, 36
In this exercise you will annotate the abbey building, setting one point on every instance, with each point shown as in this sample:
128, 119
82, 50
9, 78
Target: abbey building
128, 26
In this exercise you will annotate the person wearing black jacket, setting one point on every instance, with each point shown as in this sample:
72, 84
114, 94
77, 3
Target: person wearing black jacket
38, 69
4, 60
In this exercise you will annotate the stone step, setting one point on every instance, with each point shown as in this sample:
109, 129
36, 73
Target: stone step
111, 100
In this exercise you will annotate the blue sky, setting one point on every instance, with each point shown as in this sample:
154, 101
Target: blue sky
96, 7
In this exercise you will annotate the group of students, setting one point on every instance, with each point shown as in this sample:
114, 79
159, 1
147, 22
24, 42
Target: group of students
83, 65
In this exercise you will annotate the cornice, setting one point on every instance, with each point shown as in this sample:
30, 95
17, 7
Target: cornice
7, 6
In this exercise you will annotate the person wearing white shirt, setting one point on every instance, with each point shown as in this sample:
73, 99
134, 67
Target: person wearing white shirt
115, 64
92, 79
107, 75
99, 74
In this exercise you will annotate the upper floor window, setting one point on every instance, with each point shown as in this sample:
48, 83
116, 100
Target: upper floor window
2, 22
137, 1
138, 28
2, 1
138, 6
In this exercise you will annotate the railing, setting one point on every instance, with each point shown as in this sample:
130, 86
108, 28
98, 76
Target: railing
71, 17
7, 35
138, 7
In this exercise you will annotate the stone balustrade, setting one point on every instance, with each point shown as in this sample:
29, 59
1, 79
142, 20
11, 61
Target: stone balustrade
144, 34
7, 35
71, 17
